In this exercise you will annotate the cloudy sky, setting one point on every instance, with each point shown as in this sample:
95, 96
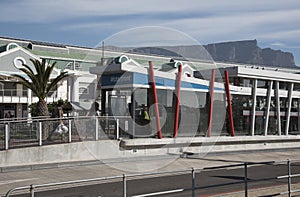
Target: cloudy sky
275, 24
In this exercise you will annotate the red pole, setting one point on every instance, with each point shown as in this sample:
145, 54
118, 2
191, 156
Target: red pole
229, 103
151, 71
211, 102
177, 104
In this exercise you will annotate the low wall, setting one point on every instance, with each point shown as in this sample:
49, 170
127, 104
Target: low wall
113, 149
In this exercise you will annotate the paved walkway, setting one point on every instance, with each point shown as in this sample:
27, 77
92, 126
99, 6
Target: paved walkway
67, 172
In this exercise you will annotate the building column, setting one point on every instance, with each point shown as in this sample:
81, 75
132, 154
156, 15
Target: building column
19, 90
29, 96
73, 89
254, 87
69, 82
267, 112
278, 107
288, 113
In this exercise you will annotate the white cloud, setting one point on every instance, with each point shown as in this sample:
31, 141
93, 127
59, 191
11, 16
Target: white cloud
249, 25
45, 11
210, 21
278, 44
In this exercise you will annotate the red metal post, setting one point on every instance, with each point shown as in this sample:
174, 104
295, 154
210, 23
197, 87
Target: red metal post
155, 100
177, 101
229, 103
211, 102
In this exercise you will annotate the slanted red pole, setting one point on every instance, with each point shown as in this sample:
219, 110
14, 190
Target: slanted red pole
211, 102
152, 82
177, 101
231, 124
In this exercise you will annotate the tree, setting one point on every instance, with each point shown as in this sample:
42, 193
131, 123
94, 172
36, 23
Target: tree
39, 82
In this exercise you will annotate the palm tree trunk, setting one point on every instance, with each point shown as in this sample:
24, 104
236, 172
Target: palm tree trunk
42, 110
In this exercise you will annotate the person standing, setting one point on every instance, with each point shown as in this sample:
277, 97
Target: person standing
57, 114
58, 110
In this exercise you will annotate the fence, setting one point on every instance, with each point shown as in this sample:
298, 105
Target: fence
193, 187
17, 133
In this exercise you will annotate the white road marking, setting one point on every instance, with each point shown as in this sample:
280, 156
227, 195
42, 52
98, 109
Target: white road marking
159, 193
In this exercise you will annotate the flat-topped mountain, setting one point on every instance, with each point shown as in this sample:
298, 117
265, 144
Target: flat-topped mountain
247, 52
250, 53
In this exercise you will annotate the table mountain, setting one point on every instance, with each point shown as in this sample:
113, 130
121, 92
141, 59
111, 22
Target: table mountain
249, 52
245, 52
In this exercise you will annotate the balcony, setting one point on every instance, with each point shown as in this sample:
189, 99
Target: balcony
21, 96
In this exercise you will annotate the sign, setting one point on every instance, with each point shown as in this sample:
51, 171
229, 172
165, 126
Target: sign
115, 79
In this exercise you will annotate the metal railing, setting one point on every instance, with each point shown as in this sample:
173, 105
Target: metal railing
18, 133
124, 178
21, 96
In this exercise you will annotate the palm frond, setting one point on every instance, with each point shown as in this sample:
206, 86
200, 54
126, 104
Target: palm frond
55, 81
39, 78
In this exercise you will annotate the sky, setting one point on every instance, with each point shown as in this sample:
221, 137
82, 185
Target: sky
274, 24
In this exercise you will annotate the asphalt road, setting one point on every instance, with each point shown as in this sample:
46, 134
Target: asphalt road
207, 182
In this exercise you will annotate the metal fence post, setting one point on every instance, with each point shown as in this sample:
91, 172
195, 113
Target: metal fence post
246, 178
193, 182
32, 190
6, 136
70, 130
118, 130
97, 129
40, 133
289, 177
124, 185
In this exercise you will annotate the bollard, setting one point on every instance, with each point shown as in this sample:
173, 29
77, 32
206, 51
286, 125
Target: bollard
246, 178
193, 182
289, 177
124, 185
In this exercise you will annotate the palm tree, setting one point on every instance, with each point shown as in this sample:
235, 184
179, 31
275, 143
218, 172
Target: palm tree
39, 82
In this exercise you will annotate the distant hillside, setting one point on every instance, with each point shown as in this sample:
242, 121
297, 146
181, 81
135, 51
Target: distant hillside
247, 52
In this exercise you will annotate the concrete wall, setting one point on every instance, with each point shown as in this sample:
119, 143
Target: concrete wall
116, 150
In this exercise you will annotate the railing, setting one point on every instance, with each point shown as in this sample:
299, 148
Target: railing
21, 96
193, 172
17, 133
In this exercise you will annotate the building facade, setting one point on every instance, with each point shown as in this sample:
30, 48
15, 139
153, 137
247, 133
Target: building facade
265, 100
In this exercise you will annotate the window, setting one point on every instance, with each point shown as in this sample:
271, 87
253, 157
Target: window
70, 66
84, 88
11, 46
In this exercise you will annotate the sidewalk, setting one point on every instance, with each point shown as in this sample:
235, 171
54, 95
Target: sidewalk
68, 172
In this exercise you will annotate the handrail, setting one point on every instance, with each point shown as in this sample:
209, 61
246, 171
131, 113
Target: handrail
124, 178
46, 118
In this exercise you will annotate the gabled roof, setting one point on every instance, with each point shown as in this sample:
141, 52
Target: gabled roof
18, 49
10, 72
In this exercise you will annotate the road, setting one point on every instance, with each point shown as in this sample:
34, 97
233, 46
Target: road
207, 182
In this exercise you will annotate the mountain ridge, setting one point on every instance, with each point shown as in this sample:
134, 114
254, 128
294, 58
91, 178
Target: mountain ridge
248, 51
245, 52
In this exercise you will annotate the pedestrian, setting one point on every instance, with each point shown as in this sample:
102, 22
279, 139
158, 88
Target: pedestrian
59, 126
58, 110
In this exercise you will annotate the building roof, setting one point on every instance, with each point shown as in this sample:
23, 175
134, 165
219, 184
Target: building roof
88, 57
